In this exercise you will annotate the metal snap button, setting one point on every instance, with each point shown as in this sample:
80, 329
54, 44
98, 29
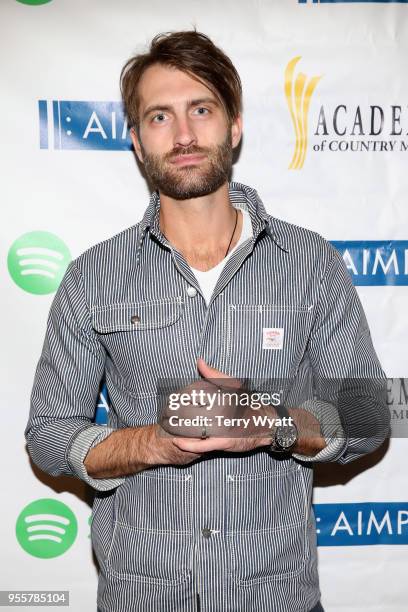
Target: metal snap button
135, 319
191, 291
206, 532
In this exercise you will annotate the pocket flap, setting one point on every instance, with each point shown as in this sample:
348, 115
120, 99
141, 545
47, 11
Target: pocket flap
135, 316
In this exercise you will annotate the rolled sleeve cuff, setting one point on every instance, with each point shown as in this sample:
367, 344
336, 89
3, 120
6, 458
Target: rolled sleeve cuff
80, 447
331, 428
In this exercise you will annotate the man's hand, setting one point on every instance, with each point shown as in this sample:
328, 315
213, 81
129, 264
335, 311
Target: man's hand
133, 449
232, 444
309, 443
164, 450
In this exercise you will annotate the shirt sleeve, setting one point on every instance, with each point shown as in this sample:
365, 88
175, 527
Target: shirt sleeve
80, 447
66, 386
349, 384
331, 429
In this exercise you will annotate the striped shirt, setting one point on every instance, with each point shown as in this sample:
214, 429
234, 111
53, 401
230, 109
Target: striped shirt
230, 531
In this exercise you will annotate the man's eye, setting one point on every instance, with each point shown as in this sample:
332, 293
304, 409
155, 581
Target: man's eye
201, 110
159, 118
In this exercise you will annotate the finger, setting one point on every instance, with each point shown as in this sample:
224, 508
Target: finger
211, 373
202, 446
208, 371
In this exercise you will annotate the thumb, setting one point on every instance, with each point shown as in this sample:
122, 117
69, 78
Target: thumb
210, 373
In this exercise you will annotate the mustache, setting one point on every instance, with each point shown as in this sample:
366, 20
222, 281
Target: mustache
191, 150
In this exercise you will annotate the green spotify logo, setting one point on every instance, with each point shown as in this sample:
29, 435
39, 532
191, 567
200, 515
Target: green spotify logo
33, 1
37, 262
46, 528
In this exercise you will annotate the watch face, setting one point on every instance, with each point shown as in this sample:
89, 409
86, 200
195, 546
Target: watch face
286, 437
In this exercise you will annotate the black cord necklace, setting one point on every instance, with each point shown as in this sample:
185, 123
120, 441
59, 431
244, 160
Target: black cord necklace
235, 226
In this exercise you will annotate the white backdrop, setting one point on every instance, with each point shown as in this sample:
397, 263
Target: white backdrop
59, 73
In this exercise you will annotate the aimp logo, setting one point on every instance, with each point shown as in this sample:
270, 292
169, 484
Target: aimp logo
69, 124
375, 262
298, 92
361, 524
37, 262
46, 528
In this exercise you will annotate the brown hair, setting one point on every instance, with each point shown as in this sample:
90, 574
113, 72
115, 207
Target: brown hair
193, 53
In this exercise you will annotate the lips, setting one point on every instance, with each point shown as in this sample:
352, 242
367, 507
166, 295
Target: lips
187, 160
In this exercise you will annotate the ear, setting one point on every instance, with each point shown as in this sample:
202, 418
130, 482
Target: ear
136, 143
236, 130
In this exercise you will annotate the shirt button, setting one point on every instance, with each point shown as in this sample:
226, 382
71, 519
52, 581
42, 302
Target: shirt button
135, 319
191, 291
206, 532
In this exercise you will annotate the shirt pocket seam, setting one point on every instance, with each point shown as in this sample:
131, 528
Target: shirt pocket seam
120, 315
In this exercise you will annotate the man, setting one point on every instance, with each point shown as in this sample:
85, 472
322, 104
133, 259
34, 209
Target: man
208, 288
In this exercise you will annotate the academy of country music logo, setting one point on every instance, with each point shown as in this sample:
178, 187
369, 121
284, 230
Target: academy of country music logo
340, 127
375, 262
72, 124
298, 91
361, 524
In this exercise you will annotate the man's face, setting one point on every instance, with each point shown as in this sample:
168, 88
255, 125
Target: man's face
185, 139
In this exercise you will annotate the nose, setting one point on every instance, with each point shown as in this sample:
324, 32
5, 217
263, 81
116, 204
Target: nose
184, 135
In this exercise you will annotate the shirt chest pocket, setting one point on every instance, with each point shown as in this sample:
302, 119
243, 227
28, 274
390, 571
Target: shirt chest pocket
266, 341
141, 339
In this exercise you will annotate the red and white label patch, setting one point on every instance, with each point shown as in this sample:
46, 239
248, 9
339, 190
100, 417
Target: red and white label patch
273, 338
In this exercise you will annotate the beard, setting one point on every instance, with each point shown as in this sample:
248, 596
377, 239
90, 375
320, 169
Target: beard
192, 181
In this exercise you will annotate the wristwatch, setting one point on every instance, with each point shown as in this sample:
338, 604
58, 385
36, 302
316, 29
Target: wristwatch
284, 437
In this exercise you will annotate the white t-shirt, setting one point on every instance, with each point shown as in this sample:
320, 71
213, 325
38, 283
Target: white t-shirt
208, 279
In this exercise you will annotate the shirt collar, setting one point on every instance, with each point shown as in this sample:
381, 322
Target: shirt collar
241, 196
